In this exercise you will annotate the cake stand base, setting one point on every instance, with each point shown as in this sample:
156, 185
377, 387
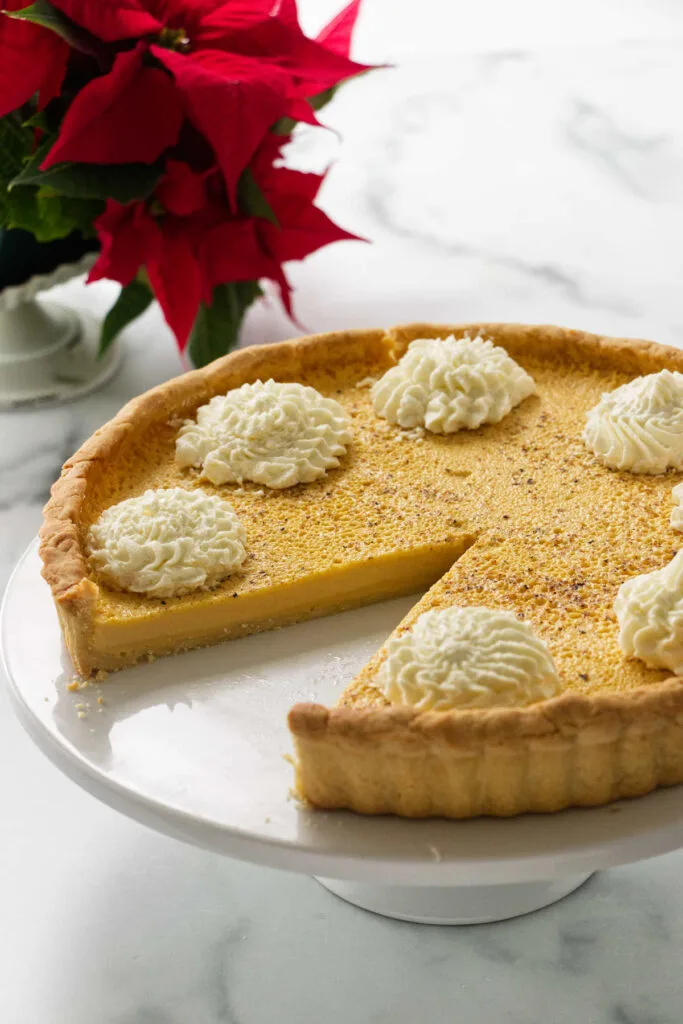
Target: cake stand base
192, 746
48, 354
474, 904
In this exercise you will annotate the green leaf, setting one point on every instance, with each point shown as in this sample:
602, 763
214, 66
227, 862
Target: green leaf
41, 13
131, 303
46, 120
16, 143
81, 213
41, 211
48, 216
32, 157
38, 120
216, 329
60, 215
284, 126
20, 212
122, 182
252, 199
44, 14
324, 97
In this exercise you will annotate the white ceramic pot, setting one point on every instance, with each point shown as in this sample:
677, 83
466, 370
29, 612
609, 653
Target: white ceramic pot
47, 353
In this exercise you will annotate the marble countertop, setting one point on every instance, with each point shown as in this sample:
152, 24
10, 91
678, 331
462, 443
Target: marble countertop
523, 162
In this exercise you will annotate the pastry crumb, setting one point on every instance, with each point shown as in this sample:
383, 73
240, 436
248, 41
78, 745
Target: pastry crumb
436, 854
81, 714
73, 685
100, 700
101, 675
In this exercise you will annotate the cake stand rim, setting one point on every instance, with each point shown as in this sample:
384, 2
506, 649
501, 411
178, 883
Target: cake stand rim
271, 851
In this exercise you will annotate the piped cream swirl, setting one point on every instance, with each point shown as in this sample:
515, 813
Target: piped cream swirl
450, 384
165, 543
639, 426
275, 434
649, 609
467, 658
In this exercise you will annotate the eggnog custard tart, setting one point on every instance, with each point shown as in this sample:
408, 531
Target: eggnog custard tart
523, 474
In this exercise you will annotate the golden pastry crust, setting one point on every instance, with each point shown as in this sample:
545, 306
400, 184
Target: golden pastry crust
578, 749
571, 751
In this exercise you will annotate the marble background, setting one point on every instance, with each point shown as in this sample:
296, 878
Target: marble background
523, 162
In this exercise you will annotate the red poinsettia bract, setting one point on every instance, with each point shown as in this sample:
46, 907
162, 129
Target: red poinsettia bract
193, 88
32, 60
197, 244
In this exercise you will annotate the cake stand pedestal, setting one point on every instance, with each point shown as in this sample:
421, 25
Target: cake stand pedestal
48, 354
193, 746
456, 904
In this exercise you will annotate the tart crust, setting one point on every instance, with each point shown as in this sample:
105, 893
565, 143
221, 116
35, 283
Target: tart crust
579, 749
571, 751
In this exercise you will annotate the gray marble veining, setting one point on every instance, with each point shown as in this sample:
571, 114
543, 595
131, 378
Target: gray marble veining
534, 183
177, 936
636, 161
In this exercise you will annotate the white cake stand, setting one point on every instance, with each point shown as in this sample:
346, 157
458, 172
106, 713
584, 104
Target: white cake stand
48, 353
195, 746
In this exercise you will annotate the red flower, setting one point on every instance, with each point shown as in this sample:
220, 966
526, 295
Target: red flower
336, 36
32, 60
111, 20
198, 244
131, 238
185, 256
271, 30
237, 64
222, 89
182, 191
231, 251
194, 87
176, 276
130, 115
301, 226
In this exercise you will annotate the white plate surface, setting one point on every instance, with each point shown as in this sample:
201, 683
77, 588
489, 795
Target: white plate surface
193, 746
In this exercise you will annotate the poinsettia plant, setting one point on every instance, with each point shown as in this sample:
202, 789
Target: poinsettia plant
152, 131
